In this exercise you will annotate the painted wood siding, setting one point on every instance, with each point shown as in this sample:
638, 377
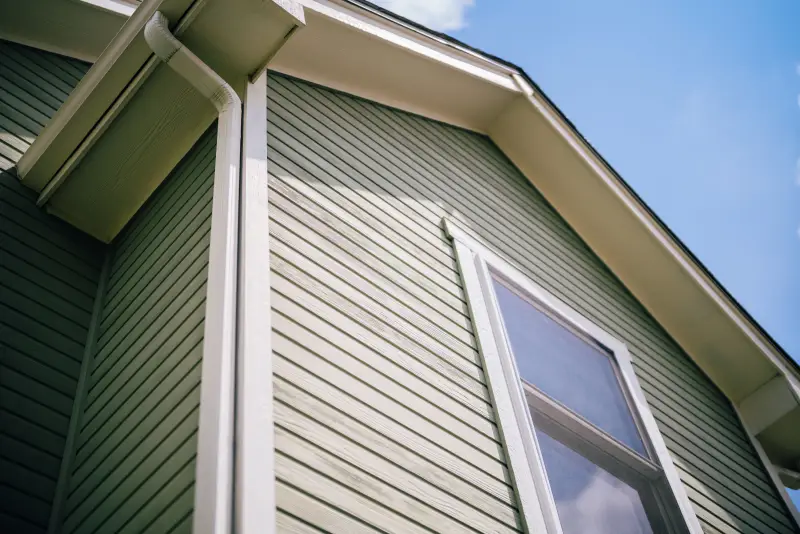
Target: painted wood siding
383, 418
135, 459
48, 279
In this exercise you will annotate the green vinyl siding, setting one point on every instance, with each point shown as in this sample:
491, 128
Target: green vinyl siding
134, 464
383, 418
48, 278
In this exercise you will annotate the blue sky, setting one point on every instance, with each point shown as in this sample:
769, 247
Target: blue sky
695, 103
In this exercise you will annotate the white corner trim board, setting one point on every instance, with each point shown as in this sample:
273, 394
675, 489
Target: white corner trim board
215, 455
254, 487
513, 418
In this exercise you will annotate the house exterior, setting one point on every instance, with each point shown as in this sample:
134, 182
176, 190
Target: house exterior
276, 266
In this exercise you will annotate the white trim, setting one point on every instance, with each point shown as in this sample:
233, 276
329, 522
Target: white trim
507, 402
254, 491
71, 444
213, 501
770, 468
379, 27
474, 260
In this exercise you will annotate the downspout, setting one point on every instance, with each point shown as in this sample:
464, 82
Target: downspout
215, 441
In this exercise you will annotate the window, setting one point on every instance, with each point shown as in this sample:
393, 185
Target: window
584, 450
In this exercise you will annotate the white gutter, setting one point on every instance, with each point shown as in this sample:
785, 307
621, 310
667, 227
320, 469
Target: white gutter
215, 442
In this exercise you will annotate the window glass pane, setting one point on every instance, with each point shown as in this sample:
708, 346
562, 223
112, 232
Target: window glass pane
567, 368
589, 499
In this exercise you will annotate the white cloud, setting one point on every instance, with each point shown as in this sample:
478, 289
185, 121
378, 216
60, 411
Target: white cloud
440, 15
606, 505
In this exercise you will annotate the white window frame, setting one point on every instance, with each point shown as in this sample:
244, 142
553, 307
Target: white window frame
476, 262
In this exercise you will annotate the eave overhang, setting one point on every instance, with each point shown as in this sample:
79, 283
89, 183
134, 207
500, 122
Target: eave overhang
360, 49
131, 119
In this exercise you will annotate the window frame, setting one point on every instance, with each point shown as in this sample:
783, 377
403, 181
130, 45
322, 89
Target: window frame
476, 263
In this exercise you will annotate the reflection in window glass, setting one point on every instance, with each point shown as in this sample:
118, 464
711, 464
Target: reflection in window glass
566, 367
589, 499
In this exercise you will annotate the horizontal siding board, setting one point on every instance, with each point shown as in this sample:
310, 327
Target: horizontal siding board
384, 308
29, 216
18, 249
338, 369
20, 428
358, 192
26, 480
316, 316
446, 378
293, 225
36, 460
18, 55
364, 478
10, 522
305, 206
136, 401
27, 508
54, 303
41, 275
23, 68
142, 322
318, 517
381, 372
393, 430
481, 452
280, 163
32, 388
58, 381
313, 261
59, 324
18, 343
36, 328
460, 369
134, 466
329, 490
34, 412
407, 472
326, 159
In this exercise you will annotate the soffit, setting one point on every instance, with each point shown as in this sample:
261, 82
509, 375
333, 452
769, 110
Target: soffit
70, 28
351, 52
